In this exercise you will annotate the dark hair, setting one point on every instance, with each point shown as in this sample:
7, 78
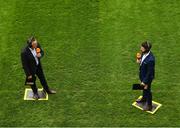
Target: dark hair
30, 40
147, 45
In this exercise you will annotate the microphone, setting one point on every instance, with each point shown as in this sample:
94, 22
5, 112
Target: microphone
38, 50
138, 56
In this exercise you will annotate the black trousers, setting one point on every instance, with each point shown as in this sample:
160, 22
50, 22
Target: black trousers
40, 75
147, 94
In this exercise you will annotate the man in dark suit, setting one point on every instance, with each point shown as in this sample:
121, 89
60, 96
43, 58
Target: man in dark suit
30, 57
146, 74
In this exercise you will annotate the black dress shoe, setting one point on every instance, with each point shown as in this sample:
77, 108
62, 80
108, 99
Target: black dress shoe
36, 96
50, 91
148, 108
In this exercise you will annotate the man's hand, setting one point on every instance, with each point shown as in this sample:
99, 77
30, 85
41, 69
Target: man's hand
38, 55
30, 77
145, 85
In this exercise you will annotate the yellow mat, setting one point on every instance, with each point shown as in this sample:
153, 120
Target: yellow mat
28, 95
155, 105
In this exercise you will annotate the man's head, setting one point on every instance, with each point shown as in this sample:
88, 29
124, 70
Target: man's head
145, 47
32, 42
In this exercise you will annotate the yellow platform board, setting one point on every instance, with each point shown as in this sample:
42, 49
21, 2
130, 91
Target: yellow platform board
28, 95
155, 105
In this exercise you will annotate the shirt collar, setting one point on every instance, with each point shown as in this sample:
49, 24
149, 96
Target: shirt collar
32, 49
146, 54
144, 57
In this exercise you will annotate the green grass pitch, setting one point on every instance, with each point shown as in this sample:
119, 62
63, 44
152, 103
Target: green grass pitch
90, 48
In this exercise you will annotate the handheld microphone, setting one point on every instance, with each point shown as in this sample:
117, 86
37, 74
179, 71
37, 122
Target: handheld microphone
38, 50
138, 56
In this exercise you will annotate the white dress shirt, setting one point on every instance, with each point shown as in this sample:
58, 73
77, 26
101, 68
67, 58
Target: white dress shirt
144, 57
33, 51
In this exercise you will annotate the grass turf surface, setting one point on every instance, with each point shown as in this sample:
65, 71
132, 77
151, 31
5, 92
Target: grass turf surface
90, 48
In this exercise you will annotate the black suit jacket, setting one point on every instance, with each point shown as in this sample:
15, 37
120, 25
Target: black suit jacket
28, 61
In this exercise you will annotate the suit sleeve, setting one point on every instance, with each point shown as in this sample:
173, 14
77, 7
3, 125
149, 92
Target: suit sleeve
25, 64
150, 72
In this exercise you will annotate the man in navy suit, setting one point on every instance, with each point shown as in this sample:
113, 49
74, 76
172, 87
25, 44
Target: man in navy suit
146, 74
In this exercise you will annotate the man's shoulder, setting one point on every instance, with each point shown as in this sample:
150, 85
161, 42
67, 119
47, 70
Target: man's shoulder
151, 57
24, 49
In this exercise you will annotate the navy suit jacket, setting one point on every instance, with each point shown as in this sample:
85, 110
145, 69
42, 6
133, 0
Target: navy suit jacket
147, 69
